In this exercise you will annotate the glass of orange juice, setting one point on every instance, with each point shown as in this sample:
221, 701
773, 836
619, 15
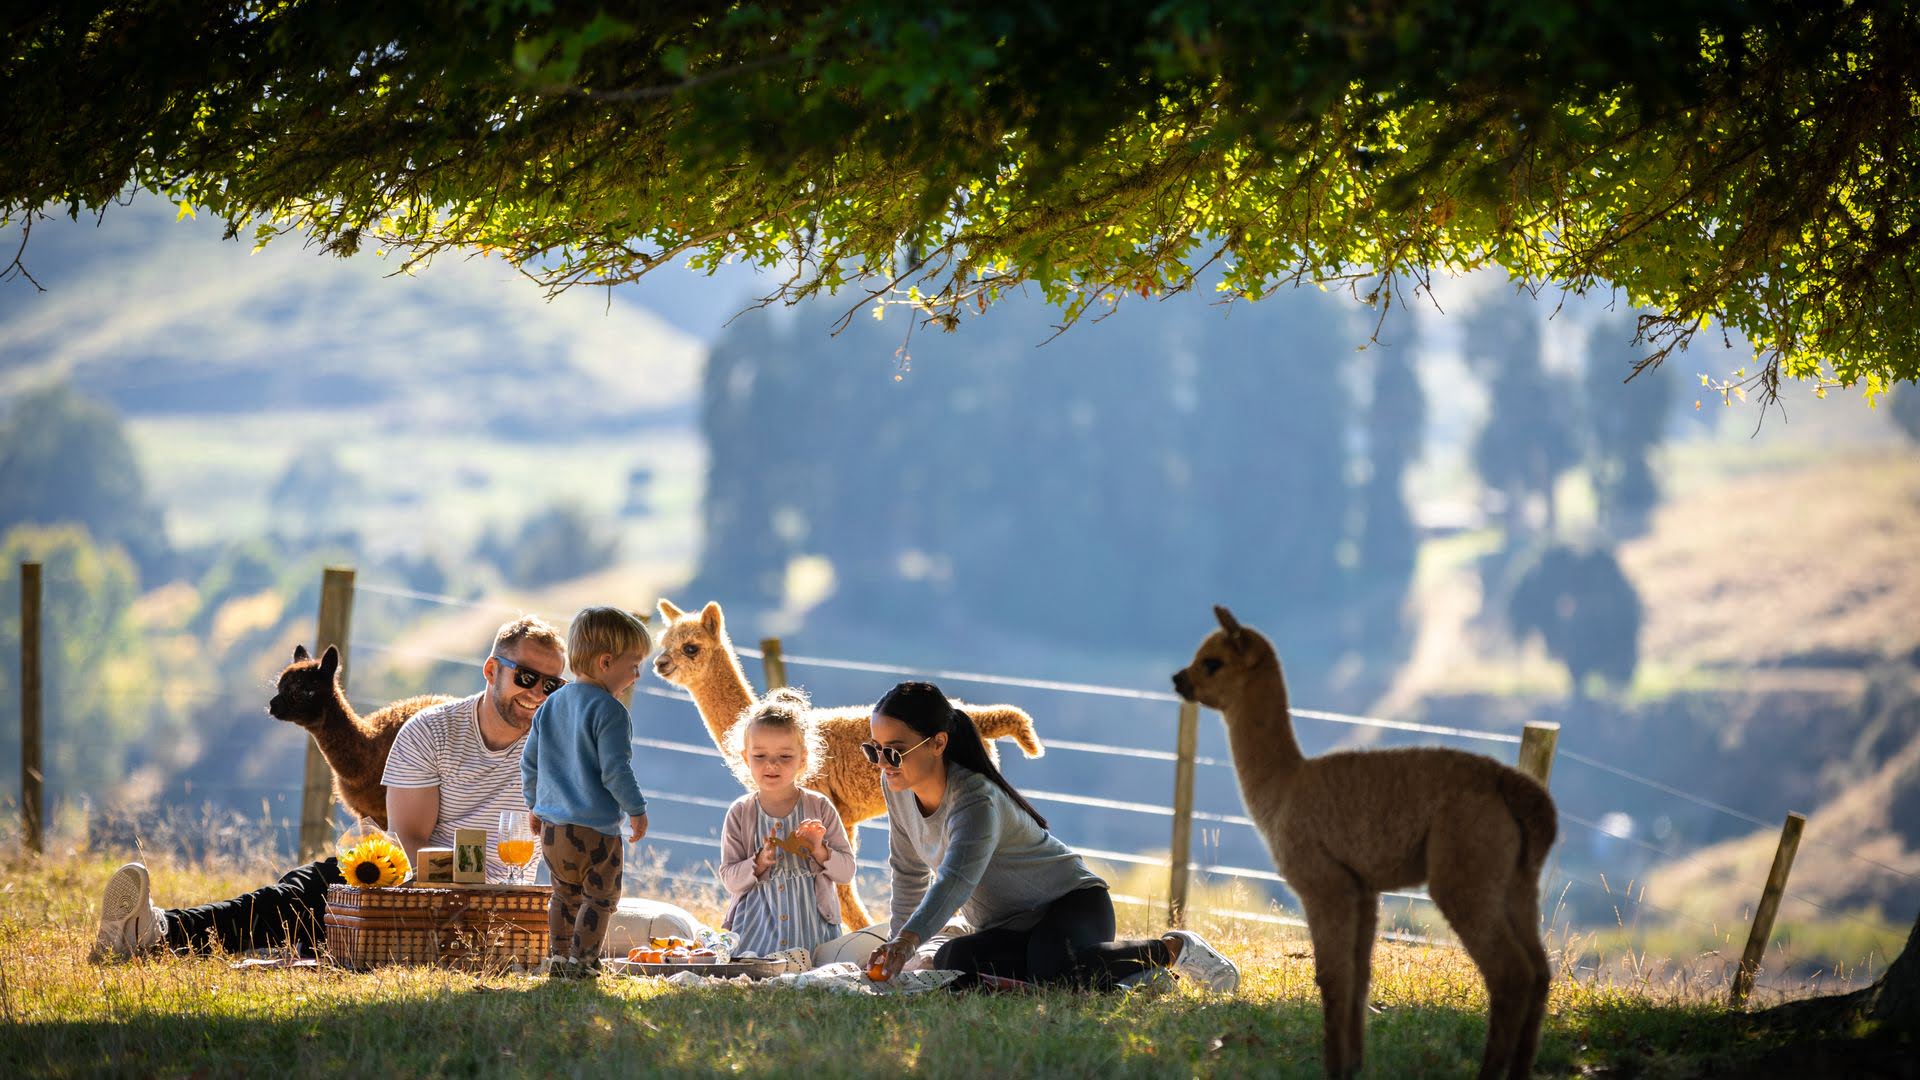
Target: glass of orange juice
516, 842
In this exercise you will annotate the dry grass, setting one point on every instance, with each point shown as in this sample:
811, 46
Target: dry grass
1816, 561
177, 1016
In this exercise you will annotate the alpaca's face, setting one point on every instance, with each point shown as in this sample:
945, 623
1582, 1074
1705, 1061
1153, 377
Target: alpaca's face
694, 645
1222, 665
303, 693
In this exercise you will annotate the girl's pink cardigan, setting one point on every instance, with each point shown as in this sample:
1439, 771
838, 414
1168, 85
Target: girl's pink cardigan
739, 841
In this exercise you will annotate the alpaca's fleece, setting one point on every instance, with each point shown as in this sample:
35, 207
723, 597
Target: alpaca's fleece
355, 747
696, 653
1345, 827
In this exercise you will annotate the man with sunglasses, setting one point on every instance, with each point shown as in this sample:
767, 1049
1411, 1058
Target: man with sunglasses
453, 766
457, 765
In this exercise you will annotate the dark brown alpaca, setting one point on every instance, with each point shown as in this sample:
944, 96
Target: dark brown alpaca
355, 747
1345, 827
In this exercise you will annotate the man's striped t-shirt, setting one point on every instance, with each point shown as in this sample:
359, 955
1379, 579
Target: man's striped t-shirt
441, 747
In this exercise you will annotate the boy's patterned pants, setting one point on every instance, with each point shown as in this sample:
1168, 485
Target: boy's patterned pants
585, 867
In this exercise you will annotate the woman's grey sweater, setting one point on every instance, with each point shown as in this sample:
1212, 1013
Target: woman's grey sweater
996, 865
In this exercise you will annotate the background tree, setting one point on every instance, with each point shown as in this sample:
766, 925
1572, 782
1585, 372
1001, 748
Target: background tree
558, 543
751, 479
1906, 412
314, 482
64, 458
1271, 449
239, 570
100, 687
1090, 151
1389, 541
1625, 423
1182, 454
1525, 441
1584, 608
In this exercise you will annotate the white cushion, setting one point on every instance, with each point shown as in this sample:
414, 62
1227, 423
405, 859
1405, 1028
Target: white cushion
638, 919
853, 948
856, 947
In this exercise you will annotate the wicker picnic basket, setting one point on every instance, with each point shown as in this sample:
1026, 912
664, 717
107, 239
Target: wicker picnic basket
474, 928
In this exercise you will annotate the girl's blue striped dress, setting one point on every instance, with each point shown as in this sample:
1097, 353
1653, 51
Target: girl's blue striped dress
781, 912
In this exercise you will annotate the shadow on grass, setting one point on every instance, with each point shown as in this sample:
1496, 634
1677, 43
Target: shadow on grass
338, 1024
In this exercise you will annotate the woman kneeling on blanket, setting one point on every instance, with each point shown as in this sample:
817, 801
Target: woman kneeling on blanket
1042, 916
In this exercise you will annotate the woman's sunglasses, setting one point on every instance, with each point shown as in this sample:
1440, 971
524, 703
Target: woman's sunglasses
887, 755
525, 678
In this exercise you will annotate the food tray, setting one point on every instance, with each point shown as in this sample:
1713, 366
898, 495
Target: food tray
751, 968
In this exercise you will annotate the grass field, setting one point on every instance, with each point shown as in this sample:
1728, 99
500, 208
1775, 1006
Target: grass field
200, 1017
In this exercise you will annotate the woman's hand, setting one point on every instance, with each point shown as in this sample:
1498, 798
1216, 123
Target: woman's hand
763, 859
814, 832
891, 957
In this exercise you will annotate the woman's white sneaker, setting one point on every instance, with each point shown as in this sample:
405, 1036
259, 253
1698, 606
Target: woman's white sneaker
1202, 964
1149, 982
131, 924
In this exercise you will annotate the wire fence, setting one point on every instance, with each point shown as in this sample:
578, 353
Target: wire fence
1596, 826
1113, 825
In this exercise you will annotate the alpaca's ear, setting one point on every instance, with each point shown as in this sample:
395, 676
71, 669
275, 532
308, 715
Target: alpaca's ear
1227, 622
329, 662
710, 616
668, 611
299, 653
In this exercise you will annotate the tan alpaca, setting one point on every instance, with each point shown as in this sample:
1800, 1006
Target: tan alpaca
1345, 827
355, 747
695, 653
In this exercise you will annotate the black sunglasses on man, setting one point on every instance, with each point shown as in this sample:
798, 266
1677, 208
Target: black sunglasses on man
525, 678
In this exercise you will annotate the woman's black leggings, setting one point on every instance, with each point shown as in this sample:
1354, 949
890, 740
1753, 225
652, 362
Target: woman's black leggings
1071, 945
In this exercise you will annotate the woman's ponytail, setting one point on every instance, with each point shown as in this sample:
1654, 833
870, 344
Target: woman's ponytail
922, 707
962, 732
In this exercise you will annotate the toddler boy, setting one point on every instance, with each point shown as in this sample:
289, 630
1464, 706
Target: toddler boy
577, 772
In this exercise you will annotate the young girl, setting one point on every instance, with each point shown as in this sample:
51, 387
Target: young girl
782, 848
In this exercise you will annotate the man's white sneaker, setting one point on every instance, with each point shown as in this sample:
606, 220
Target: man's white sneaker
1202, 964
131, 924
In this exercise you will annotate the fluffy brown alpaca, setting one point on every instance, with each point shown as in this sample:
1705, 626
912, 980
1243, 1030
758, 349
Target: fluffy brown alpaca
695, 653
1345, 827
355, 747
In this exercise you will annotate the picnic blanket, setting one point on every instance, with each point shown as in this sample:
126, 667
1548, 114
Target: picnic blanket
838, 978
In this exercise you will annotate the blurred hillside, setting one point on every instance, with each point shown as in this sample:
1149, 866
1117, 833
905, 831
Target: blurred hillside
458, 392
1779, 675
261, 414
1810, 567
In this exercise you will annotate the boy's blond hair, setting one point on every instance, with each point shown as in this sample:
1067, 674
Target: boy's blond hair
786, 709
604, 630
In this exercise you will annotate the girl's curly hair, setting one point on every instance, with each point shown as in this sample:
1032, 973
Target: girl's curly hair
786, 709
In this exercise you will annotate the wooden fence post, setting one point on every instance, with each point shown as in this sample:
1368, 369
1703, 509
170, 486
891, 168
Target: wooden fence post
1184, 747
1537, 742
32, 795
1769, 907
775, 665
316, 794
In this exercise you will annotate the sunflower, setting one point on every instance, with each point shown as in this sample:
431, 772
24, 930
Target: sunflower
375, 861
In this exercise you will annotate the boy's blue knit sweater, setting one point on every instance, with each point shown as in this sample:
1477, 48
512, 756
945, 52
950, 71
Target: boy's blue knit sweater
577, 768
